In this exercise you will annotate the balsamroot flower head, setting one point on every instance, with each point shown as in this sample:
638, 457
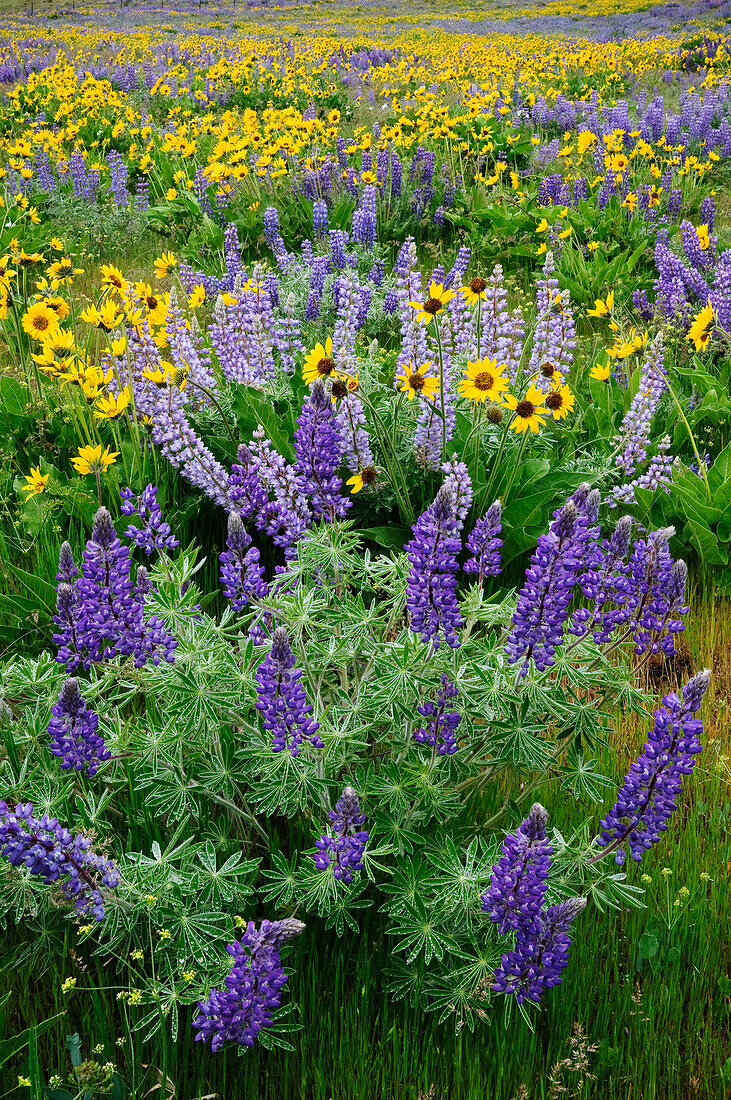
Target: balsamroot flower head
344, 851
155, 533
485, 544
242, 575
543, 602
73, 730
441, 733
51, 851
253, 988
518, 883
541, 952
648, 795
281, 701
320, 452
431, 584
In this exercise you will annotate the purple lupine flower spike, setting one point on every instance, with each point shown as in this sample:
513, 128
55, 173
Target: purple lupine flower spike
67, 571
431, 584
459, 481
281, 701
155, 533
485, 544
49, 850
441, 733
648, 795
253, 987
344, 851
541, 952
73, 730
242, 575
101, 616
518, 883
320, 451
543, 601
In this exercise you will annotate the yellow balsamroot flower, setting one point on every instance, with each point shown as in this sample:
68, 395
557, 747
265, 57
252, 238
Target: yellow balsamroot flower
434, 304
164, 264
415, 381
108, 317
475, 290
704, 237
319, 362
111, 406
40, 320
366, 476
113, 278
197, 296
560, 402
602, 307
592, 246
59, 306
37, 482
529, 410
542, 226
157, 304
119, 346
56, 244
618, 163
60, 269
92, 460
702, 327
171, 194
483, 379
602, 372
630, 201
624, 348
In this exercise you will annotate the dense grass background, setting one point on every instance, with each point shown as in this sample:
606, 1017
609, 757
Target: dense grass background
650, 989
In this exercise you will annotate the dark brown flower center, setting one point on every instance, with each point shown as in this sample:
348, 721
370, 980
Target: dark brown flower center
432, 305
547, 370
339, 389
477, 285
554, 401
325, 366
152, 302
416, 381
495, 414
41, 322
485, 380
369, 475
525, 409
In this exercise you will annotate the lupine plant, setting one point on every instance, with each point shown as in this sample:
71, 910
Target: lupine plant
365, 702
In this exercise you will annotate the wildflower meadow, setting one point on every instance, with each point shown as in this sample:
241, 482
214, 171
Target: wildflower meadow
365, 520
